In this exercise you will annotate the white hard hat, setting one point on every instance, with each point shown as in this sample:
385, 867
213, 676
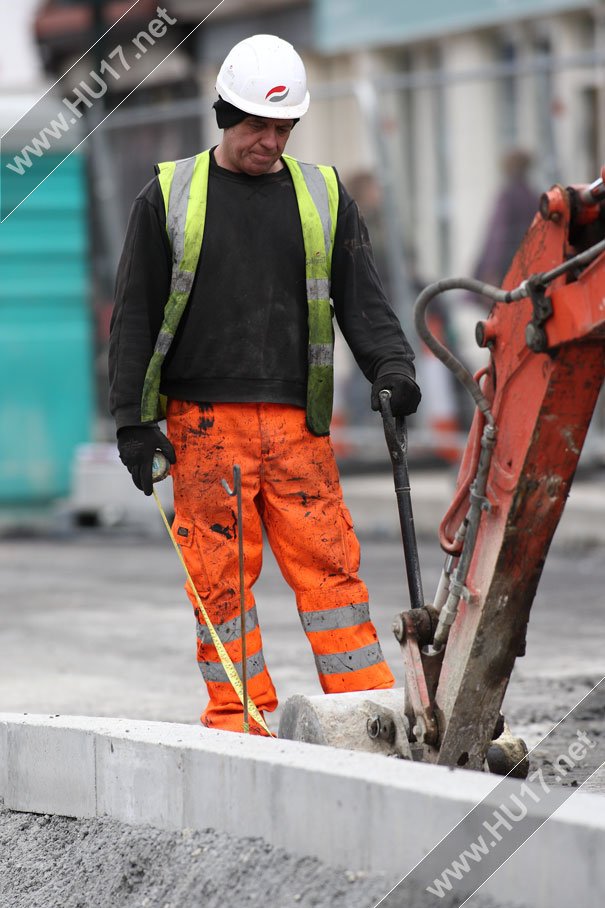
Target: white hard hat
264, 76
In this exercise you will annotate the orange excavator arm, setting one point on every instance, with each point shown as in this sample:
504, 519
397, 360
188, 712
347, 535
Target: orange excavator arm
535, 399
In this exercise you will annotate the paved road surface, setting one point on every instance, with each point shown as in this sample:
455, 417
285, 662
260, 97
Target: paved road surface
99, 624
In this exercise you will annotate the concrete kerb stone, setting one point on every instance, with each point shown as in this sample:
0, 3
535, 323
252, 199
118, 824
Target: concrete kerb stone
349, 809
140, 781
307, 799
49, 768
346, 808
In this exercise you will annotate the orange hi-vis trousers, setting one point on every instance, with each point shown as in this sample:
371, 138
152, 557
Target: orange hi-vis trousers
290, 485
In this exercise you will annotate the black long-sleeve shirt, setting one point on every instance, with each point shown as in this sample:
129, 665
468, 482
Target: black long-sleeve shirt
244, 333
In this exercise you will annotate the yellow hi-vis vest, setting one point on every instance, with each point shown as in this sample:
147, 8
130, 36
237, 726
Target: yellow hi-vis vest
184, 187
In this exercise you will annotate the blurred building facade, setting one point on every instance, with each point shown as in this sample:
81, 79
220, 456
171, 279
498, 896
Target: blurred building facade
462, 84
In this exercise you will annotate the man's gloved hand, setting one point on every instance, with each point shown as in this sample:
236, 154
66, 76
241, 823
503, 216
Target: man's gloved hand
137, 445
405, 393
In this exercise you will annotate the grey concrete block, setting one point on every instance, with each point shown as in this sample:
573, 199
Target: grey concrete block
50, 768
341, 720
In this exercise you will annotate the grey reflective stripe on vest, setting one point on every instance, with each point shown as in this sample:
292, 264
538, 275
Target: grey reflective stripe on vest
340, 663
181, 281
162, 344
229, 630
319, 193
331, 619
318, 288
176, 215
214, 671
321, 355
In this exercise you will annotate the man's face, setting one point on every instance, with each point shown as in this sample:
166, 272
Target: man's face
254, 146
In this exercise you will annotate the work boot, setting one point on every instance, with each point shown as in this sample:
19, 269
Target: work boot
230, 721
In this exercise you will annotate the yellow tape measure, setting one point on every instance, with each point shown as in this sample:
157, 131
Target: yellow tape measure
224, 656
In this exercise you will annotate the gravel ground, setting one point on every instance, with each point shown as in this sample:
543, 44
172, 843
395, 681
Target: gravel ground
534, 707
55, 862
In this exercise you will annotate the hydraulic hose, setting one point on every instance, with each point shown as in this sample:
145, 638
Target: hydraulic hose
441, 352
499, 296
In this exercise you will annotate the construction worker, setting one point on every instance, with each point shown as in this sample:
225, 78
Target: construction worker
223, 312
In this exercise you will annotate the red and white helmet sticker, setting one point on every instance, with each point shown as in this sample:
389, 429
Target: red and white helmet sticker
277, 93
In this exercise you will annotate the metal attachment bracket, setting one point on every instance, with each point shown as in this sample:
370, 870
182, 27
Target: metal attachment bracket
535, 334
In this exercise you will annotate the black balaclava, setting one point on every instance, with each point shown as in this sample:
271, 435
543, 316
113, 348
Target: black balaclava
228, 115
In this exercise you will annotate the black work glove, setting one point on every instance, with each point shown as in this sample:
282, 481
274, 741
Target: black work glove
405, 393
137, 445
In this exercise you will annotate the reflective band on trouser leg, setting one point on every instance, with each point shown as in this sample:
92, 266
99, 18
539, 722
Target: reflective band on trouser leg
229, 630
312, 537
331, 619
208, 441
347, 653
219, 713
224, 709
214, 671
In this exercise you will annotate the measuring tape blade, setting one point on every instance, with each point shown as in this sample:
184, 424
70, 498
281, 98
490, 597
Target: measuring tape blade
224, 656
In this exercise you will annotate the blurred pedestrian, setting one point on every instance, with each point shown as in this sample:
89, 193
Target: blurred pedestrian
512, 213
235, 335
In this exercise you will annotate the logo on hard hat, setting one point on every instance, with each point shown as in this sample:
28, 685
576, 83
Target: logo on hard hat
277, 93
